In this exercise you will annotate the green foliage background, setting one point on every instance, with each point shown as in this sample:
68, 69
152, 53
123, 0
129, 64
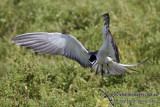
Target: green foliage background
33, 79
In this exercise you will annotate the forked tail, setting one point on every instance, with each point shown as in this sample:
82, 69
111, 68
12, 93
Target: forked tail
114, 68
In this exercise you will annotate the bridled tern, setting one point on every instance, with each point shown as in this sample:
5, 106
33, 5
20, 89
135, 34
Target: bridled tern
68, 46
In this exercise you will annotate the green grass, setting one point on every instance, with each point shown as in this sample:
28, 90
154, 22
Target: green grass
33, 79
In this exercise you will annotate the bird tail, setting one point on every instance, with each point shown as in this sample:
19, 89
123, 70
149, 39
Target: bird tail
114, 68
125, 65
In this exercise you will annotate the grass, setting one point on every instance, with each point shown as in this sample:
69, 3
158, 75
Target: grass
33, 79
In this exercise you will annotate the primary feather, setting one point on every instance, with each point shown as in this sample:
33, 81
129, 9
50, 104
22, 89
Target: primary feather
54, 44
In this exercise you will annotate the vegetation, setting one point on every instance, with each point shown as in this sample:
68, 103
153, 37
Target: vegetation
33, 79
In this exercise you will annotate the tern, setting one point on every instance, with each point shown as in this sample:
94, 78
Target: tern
105, 60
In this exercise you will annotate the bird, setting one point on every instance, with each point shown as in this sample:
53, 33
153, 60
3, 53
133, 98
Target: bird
105, 60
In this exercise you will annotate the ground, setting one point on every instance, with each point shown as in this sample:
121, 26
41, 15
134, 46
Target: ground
33, 79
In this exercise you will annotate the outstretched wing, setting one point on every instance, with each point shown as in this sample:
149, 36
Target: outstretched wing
109, 46
54, 44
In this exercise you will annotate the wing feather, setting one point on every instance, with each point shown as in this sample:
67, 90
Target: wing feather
109, 46
54, 44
